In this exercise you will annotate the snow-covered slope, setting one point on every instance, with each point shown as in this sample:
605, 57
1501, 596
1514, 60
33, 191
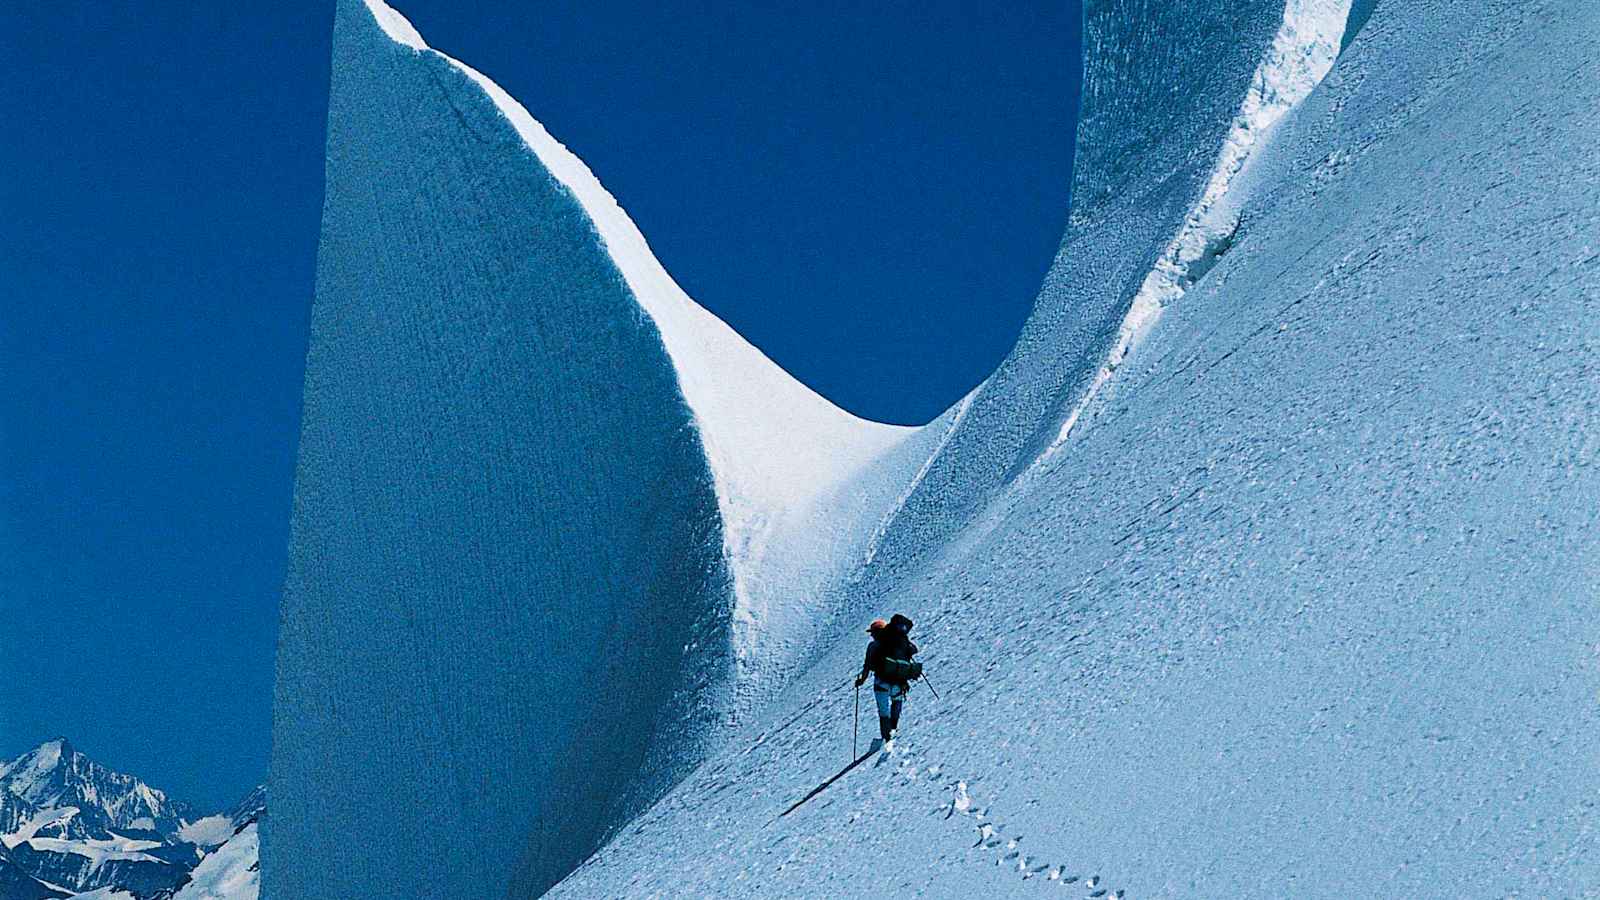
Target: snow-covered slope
1263, 566
231, 872
1304, 605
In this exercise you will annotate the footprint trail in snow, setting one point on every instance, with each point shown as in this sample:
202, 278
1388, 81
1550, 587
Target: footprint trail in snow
996, 842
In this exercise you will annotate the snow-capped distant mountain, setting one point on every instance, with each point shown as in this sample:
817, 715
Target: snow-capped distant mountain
69, 826
55, 775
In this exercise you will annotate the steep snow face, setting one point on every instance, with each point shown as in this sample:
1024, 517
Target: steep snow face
1310, 609
774, 446
1300, 56
506, 544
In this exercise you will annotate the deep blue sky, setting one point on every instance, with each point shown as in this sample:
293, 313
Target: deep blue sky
869, 192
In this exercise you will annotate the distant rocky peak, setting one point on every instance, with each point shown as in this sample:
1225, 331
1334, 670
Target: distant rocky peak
251, 807
56, 775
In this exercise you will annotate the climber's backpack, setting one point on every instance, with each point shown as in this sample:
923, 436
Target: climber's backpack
898, 670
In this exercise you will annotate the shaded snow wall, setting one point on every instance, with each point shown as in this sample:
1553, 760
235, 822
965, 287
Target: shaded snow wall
1162, 82
457, 708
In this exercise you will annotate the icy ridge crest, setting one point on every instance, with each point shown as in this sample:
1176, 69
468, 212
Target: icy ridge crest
1301, 55
747, 408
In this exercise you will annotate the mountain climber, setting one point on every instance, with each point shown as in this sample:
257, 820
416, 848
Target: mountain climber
889, 660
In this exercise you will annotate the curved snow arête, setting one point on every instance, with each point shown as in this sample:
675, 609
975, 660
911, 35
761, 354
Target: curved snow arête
1162, 83
524, 448
775, 448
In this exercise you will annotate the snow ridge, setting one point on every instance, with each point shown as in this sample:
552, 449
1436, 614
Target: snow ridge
1301, 55
231, 872
748, 409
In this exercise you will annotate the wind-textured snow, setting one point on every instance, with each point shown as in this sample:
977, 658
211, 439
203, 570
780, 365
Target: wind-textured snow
1299, 603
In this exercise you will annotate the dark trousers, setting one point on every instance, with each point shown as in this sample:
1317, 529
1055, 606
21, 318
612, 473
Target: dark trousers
891, 698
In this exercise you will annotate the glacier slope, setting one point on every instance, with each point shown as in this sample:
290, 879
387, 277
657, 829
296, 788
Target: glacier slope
1305, 603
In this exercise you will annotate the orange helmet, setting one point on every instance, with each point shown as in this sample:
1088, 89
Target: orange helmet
877, 626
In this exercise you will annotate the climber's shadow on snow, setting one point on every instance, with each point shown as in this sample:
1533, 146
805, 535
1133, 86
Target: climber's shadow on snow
824, 786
